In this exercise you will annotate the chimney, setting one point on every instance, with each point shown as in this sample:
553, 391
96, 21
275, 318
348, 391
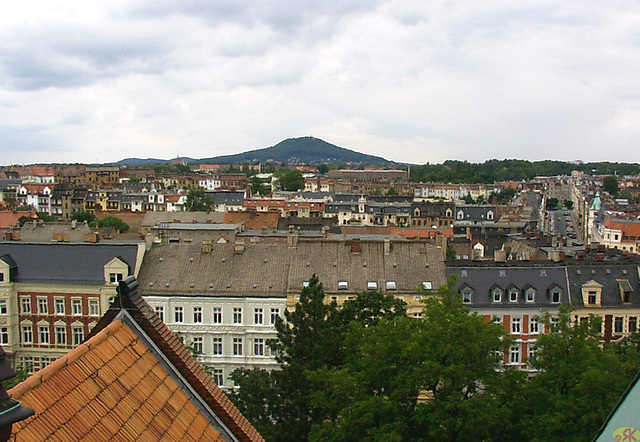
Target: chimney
206, 246
238, 247
355, 246
601, 248
325, 231
500, 256
74, 224
387, 246
580, 255
600, 257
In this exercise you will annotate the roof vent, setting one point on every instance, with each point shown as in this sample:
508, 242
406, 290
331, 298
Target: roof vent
624, 271
166, 285
224, 259
191, 285
255, 286
228, 286
264, 261
190, 259
211, 285
160, 259
579, 272
395, 264
426, 264
608, 271
270, 286
151, 284
364, 264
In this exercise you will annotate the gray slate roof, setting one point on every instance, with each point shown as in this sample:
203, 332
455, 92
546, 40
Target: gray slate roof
274, 270
66, 263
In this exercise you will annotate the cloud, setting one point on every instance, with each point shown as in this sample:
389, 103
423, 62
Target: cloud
409, 80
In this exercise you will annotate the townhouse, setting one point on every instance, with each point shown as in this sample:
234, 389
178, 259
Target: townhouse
52, 294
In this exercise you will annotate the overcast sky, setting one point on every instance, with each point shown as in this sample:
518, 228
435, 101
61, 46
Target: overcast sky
412, 81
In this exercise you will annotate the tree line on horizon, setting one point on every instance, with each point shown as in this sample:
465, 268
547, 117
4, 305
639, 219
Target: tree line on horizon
366, 371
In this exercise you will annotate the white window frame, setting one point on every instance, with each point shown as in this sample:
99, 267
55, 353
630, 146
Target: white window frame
178, 314
237, 315
258, 316
217, 346
516, 325
217, 315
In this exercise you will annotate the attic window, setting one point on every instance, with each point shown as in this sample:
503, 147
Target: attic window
502, 273
372, 285
305, 284
343, 285
427, 285
463, 274
543, 272
391, 285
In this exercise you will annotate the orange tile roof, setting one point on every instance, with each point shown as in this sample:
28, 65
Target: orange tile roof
628, 228
253, 220
10, 217
114, 387
110, 387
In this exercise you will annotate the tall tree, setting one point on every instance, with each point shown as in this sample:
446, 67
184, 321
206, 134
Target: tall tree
610, 184
291, 180
198, 201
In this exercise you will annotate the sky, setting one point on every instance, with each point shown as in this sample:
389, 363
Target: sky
412, 81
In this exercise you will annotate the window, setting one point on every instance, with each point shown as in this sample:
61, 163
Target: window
466, 296
160, 312
27, 362
258, 347
391, 285
78, 335
76, 306
554, 323
591, 298
633, 324
197, 345
44, 362
44, 334
343, 285
115, 277
237, 315
27, 334
217, 376
555, 296
217, 315
178, 314
3, 307
61, 335
275, 314
515, 325
43, 307
497, 319
4, 336
372, 285
427, 285
531, 352
513, 295
530, 295
497, 295
514, 354
26, 305
534, 325
217, 346
305, 284
94, 307
618, 324
59, 306
197, 315
257, 316
237, 346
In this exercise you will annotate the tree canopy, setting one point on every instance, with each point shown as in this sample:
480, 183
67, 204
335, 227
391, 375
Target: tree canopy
367, 371
291, 180
198, 201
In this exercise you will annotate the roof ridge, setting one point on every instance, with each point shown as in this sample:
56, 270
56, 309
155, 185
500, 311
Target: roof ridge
40, 376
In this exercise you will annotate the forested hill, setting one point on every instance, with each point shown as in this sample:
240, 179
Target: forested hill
304, 150
452, 171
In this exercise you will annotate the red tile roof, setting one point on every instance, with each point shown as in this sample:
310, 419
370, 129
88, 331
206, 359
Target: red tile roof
115, 387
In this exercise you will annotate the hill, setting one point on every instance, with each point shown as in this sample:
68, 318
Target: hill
304, 150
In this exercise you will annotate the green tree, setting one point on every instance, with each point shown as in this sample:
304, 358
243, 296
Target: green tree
291, 180
10, 202
410, 379
323, 169
610, 184
258, 185
568, 204
198, 201
578, 383
114, 222
82, 216
552, 203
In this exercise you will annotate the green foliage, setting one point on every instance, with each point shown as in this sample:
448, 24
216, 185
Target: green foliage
504, 196
45, 217
578, 384
258, 186
568, 204
610, 184
10, 202
82, 216
198, 201
552, 203
368, 372
291, 180
323, 169
114, 222
391, 191
172, 169
510, 170
22, 373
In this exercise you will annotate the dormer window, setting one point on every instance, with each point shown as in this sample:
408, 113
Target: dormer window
555, 296
625, 290
466, 295
343, 285
496, 294
592, 294
530, 294
513, 295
